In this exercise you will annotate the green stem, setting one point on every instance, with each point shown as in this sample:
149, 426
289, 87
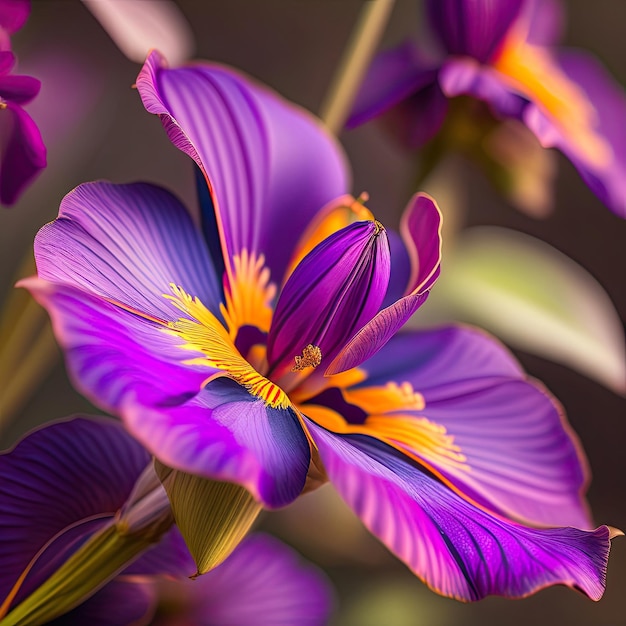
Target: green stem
357, 56
85, 572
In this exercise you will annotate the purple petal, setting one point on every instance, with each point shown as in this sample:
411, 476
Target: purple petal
61, 476
113, 355
459, 77
606, 180
267, 161
127, 243
519, 455
7, 61
264, 583
24, 154
13, 14
546, 21
19, 89
457, 549
224, 433
332, 293
393, 76
117, 604
472, 27
421, 232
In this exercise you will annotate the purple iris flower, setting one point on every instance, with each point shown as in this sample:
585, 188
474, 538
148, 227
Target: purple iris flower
23, 150
504, 54
64, 482
263, 348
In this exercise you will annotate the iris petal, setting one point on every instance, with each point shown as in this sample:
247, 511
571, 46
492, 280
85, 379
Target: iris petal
335, 289
457, 549
266, 161
421, 232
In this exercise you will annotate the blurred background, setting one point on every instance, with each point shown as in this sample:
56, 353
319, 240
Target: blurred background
95, 127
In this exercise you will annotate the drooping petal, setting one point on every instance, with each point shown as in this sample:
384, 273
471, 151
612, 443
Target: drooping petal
472, 27
607, 97
458, 549
113, 354
421, 232
24, 154
263, 582
337, 288
393, 76
225, 433
68, 475
127, 243
266, 161
494, 436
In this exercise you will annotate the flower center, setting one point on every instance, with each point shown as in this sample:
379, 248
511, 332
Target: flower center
214, 346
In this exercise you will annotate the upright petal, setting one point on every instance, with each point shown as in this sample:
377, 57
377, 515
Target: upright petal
266, 161
459, 550
13, 14
472, 27
57, 480
225, 433
337, 288
421, 232
492, 435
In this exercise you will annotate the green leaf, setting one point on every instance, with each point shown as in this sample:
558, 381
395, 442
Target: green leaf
212, 516
535, 299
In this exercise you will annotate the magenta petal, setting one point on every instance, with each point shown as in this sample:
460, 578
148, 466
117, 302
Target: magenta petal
472, 27
117, 604
267, 161
457, 549
23, 156
263, 583
62, 475
19, 89
421, 232
127, 243
13, 14
607, 181
114, 355
337, 288
393, 76
523, 459
224, 433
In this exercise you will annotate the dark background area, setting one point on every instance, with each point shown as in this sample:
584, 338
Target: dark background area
96, 128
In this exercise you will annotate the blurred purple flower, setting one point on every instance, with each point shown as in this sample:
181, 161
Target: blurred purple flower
262, 583
67, 480
435, 438
504, 54
23, 150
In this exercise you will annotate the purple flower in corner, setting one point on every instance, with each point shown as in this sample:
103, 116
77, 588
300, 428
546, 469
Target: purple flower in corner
504, 54
23, 150
266, 349
65, 482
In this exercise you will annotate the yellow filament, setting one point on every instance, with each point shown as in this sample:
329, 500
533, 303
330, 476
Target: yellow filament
206, 335
391, 397
249, 295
